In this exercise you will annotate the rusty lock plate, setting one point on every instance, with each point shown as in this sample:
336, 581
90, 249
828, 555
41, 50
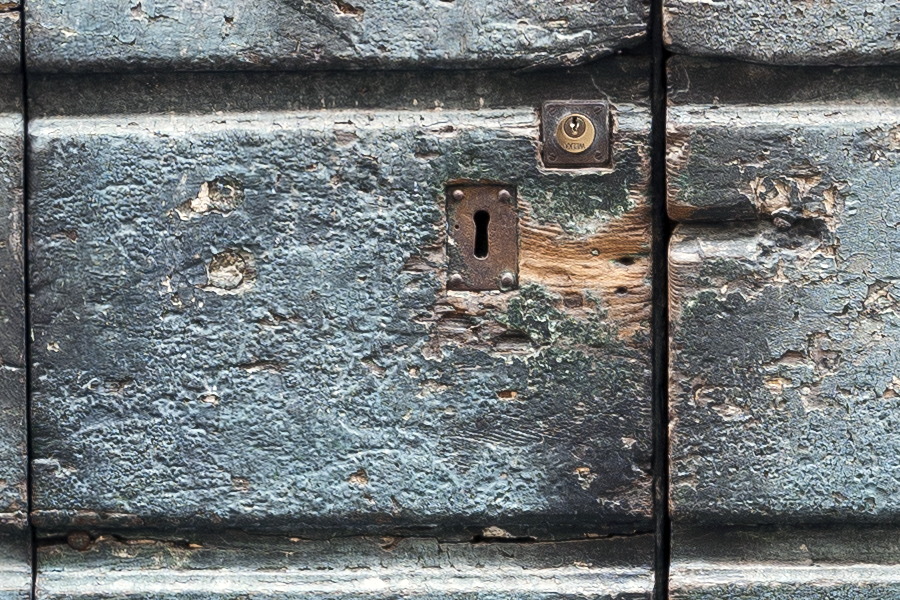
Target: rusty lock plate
482, 237
575, 133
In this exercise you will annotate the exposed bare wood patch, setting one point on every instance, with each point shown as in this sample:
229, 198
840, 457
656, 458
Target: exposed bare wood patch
221, 195
610, 268
611, 265
230, 272
345, 8
678, 152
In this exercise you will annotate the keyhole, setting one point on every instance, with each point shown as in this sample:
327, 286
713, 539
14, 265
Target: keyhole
481, 218
574, 126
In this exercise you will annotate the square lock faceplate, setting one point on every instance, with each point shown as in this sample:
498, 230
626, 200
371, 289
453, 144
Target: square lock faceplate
575, 133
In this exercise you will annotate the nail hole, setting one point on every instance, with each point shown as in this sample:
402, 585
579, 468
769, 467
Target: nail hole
573, 300
625, 260
481, 218
621, 290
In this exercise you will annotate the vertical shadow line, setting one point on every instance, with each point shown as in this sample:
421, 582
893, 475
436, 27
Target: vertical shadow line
661, 228
26, 253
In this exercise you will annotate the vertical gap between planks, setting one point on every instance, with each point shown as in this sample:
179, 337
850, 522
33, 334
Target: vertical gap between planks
661, 228
26, 253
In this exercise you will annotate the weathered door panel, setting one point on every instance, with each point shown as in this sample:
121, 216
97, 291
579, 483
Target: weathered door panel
852, 32
241, 317
290, 34
783, 324
783, 367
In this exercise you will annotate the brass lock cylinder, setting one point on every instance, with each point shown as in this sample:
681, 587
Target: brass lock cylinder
575, 133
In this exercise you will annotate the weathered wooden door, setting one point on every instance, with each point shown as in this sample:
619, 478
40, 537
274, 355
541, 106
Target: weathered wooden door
251, 311
316, 298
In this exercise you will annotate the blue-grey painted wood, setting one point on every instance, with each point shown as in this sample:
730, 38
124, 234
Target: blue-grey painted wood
767, 563
288, 34
851, 32
15, 570
240, 319
10, 43
219, 567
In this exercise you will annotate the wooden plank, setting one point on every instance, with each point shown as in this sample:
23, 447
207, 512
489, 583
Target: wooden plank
766, 563
217, 566
290, 34
15, 570
241, 318
15, 559
784, 375
853, 32
13, 503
